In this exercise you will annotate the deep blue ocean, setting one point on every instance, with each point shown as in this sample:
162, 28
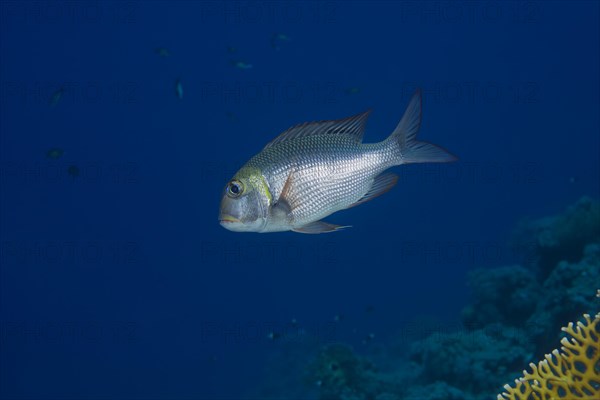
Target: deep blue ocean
121, 122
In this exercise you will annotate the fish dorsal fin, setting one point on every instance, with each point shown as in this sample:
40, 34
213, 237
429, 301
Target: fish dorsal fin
352, 126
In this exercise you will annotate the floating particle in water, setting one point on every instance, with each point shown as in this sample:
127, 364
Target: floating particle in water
55, 153
163, 52
273, 336
73, 171
278, 39
241, 64
56, 96
178, 89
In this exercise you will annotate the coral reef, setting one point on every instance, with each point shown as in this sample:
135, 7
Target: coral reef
472, 360
568, 292
572, 372
342, 375
514, 318
506, 295
562, 237
514, 297
288, 365
436, 391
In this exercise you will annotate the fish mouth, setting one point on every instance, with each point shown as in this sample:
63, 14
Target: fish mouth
228, 219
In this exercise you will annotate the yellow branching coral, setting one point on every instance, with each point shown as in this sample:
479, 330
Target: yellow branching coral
571, 373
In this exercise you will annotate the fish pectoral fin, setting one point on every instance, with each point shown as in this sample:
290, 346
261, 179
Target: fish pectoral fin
287, 201
282, 210
283, 207
319, 227
381, 184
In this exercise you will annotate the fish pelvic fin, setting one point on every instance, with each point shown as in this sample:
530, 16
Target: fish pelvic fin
404, 139
319, 227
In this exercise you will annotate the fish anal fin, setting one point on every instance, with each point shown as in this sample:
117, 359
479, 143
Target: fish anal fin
319, 227
381, 184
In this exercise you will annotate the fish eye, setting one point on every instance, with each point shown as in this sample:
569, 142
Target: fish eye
235, 188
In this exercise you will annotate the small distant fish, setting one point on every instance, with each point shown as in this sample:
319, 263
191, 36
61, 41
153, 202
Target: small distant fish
231, 116
55, 153
73, 170
277, 39
179, 89
315, 169
241, 64
161, 51
368, 338
56, 96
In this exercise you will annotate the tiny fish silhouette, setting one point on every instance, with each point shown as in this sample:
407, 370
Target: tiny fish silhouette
55, 153
179, 89
56, 96
241, 64
161, 51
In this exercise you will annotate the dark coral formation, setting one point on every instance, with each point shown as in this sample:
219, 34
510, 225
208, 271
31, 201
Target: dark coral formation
506, 295
341, 374
557, 286
561, 237
514, 318
472, 360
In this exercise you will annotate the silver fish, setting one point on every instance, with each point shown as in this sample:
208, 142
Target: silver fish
314, 169
56, 96
179, 89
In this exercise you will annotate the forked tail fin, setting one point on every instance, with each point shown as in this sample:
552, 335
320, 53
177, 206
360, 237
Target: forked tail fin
407, 148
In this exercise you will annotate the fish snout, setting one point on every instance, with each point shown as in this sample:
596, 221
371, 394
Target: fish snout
227, 219
230, 215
